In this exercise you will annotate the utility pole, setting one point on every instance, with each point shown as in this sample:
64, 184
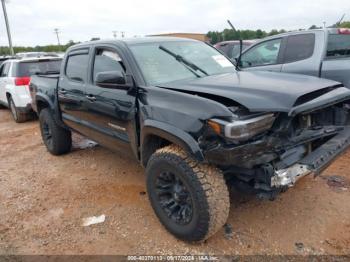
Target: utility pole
57, 31
115, 34
7, 27
123, 34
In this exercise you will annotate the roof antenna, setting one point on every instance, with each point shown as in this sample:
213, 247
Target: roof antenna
341, 20
238, 60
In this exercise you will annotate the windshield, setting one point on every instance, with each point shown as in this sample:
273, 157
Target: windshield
160, 67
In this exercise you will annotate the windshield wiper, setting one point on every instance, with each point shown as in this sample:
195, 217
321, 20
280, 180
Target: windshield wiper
184, 61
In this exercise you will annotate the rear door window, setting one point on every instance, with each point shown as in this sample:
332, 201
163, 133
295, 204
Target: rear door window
338, 46
38, 67
76, 68
299, 47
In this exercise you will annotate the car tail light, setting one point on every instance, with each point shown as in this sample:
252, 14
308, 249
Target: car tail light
344, 31
22, 81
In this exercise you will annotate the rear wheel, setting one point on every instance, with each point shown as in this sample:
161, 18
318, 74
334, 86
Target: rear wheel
18, 116
57, 139
190, 199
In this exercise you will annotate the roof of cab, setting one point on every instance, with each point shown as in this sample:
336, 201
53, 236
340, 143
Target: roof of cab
135, 41
34, 59
326, 30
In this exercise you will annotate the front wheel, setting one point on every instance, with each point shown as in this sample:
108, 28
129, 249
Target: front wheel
190, 199
57, 139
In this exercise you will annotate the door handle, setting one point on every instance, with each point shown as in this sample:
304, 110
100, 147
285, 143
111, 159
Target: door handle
91, 98
62, 91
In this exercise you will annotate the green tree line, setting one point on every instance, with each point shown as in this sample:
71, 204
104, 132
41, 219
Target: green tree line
215, 36
5, 50
229, 34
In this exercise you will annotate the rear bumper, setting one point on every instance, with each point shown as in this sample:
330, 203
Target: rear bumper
314, 162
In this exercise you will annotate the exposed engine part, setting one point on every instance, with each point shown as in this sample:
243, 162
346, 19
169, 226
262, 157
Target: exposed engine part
288, 176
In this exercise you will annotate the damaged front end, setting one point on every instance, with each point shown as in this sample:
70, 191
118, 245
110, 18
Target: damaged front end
265, 153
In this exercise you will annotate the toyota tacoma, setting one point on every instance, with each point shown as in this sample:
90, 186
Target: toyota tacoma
194, 122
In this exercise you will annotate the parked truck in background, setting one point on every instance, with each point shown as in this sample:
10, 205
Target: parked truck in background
194, 122
323, 53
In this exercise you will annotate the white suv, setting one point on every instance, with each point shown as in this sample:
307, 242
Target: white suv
14, 83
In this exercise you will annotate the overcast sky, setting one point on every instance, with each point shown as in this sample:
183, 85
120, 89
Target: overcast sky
32, 21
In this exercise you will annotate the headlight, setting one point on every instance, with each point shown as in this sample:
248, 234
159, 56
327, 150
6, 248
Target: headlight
242, 130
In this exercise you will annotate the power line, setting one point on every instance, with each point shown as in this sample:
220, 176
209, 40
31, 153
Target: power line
115, 32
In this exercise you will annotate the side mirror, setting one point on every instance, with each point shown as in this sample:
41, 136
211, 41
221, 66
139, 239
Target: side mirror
110, 79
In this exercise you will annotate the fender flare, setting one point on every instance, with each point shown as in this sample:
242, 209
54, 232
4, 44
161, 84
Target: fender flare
172, 134
44, 98
53, 107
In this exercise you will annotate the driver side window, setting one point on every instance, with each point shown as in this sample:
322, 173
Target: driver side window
262, 54
107, 60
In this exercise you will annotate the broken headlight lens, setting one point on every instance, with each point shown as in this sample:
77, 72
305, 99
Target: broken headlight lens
242, 129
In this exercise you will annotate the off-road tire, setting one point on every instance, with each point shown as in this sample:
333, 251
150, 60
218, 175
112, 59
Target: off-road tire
205, 184
18, 116
57, 139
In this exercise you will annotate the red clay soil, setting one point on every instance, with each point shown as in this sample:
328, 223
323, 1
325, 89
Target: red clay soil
43, 199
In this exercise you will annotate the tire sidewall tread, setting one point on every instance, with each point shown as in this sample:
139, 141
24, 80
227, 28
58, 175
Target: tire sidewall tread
61, 137
209, 187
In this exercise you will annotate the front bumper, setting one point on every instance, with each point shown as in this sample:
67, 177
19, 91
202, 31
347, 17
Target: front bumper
314, 162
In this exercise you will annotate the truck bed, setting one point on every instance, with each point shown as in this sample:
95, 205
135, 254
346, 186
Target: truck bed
45, 84
337, 69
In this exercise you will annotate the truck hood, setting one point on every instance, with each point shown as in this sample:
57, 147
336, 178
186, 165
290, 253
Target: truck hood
260, 91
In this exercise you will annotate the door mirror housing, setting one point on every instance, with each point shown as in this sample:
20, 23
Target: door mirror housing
111, 79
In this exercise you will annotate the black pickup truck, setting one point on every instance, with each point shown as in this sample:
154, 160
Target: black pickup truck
194, 122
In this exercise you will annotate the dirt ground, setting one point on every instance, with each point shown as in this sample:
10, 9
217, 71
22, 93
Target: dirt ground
43, 200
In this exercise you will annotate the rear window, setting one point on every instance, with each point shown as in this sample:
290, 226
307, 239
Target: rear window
231, 49
225, 48
38, 67
299, 47
234, 52
338, 45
